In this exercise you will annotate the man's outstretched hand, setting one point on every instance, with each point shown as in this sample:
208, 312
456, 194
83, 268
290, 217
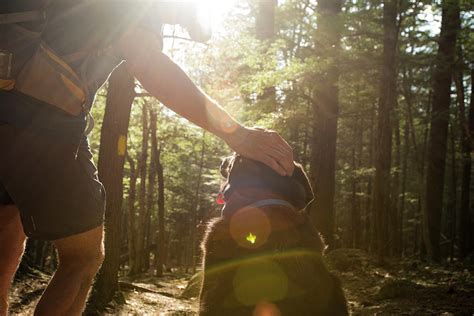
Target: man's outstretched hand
265, 146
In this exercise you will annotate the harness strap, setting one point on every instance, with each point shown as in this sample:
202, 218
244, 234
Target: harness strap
267, 202
19, 17
260, 203
70, 58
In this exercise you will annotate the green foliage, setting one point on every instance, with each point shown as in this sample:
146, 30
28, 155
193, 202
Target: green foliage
238, 71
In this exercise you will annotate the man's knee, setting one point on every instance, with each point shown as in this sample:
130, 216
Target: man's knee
12, 237
84, 262
10, 220
82, 253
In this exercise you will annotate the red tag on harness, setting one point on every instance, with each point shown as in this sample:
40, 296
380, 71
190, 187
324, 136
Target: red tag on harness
220, 199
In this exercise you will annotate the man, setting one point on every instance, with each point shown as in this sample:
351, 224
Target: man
48, 184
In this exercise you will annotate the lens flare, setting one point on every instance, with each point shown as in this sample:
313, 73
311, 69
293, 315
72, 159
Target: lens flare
219, 118
248, 223
263, 280
266, 309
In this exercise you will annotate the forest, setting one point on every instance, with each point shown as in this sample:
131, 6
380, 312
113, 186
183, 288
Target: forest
376, 99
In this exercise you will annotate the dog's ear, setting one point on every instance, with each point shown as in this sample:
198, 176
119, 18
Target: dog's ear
302, 179
226, 165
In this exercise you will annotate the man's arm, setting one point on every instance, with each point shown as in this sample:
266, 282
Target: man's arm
166, 81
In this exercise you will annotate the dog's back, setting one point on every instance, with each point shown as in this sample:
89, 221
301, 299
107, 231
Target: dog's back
263, 257
278, 270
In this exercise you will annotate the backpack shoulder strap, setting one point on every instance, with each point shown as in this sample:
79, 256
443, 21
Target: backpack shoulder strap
26, 16
19, 17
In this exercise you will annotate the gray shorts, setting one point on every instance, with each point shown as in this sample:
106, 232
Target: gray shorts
53, 182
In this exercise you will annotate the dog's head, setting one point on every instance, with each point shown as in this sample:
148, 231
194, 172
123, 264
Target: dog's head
241, 172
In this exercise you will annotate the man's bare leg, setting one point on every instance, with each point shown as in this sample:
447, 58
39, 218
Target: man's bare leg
80, 257
12, 245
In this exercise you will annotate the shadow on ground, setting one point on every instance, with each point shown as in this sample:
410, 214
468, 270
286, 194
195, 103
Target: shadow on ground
409, 287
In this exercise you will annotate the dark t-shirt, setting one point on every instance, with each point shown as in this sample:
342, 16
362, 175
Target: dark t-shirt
76, 26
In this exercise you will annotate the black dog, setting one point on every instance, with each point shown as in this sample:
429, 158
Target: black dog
263, 256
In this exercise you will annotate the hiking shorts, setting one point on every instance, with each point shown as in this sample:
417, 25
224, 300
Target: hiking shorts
52, 180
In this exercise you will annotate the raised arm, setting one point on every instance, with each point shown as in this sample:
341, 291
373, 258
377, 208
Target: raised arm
166, 81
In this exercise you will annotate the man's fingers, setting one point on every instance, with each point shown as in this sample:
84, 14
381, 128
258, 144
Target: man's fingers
268, 147
285, 160
281, 143
282, 153
272, 163
279, 153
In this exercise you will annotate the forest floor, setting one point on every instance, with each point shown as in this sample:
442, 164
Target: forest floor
406, 288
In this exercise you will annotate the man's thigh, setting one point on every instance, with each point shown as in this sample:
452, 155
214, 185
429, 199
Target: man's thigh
83, 248
52, 181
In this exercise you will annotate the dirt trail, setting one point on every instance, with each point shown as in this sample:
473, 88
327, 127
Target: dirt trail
407, 288
163, 299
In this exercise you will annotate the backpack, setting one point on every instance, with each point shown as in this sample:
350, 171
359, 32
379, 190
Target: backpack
29, 66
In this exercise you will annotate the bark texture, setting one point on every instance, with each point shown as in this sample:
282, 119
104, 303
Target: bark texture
325, 113
120, 96
436, 154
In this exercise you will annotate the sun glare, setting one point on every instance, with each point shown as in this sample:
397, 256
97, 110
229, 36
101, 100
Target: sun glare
217, 10
213, 11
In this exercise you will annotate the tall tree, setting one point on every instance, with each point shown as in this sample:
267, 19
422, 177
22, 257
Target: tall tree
131, 224
386, 104
325, 113
436, 155
142, 207
466, 245
160, 238
265, 19
195, 204
150, 195
265, 32
113, 145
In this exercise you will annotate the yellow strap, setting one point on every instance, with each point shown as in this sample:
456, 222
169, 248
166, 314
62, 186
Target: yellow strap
75, 90
7, 84
58, 60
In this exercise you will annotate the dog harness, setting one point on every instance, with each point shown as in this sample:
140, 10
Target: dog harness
267, 202
262, 203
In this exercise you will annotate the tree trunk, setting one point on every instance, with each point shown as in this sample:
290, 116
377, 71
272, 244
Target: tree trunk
150, 195
406, 145
140, 248
450, 214
436, 155
387, 101
112, 151
370, 224
132, 226
265, 32
419, 153
195, 207
356, 227
467, 128
160, 240
395, 201
325, 113
265, 19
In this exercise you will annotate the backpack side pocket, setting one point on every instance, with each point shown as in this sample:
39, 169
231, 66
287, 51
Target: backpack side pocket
48, 78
